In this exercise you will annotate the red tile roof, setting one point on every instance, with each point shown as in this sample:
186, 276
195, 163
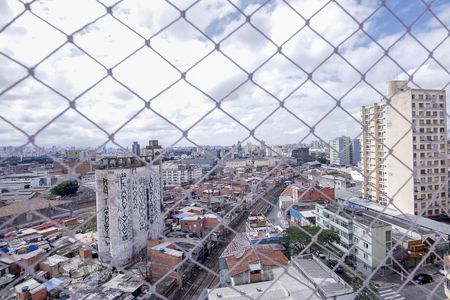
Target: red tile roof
266, 257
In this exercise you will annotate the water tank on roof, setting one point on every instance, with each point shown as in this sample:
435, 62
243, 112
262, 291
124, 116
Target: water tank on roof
24, 289
162, 250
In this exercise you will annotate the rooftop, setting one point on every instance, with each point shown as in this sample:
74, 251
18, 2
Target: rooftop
55, 259
124, 283
30, 284
329, 283
392, 215
241, 262
290, 284
237, 245
164, 247
356, 215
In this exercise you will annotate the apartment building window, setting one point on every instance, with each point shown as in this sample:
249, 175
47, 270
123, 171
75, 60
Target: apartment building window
366, 256
421, 98
366, 245
441, 97
388, 236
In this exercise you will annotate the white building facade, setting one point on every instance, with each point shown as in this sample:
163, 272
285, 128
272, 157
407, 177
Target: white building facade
129, 212
180, 174
404, 150
372, 239
340, 151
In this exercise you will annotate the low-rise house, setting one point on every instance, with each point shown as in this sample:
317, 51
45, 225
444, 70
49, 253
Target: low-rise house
298, 193
165, 259
52, 264
260, 231
31, 289
254, 265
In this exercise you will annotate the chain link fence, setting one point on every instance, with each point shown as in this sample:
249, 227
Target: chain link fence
105, 73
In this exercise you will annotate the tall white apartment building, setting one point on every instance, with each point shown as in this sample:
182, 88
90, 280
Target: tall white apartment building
404, 150
180, 174
340, 151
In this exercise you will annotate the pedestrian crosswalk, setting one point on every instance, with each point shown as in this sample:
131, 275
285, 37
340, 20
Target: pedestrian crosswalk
390, 294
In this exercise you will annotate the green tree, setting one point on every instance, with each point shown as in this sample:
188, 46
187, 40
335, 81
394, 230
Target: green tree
323, 161
365, 293
65, 188
294, 235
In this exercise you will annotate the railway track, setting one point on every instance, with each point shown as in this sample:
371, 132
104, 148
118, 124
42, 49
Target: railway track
202, 279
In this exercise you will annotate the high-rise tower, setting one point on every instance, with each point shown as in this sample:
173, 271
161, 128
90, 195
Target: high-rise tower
129, 209
404, 150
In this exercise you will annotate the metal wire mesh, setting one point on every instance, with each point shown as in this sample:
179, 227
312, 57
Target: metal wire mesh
184, 72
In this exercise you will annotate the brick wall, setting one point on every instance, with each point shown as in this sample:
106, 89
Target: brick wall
52, 270
162, 263
192, 226
255, 277
210, 223
39, 293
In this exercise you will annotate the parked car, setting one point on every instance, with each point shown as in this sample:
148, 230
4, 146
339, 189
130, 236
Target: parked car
422, 278
320, 254
443, 271
332, 263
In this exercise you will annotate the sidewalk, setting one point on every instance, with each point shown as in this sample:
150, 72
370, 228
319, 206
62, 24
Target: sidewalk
389, 281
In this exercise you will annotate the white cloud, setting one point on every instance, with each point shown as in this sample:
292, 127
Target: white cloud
30, 105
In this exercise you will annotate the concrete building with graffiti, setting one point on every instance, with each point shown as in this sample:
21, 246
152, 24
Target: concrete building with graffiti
128, 209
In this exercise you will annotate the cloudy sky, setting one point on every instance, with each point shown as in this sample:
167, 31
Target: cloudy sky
183, 66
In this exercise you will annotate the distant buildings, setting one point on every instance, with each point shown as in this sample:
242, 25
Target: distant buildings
302, 154
152, 150
340, 151
414, 127
136, 149
129, 211
344, 151
179, 174
355, 152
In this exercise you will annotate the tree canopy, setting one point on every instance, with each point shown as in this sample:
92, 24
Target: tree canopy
294, 234
366, 293
68, 187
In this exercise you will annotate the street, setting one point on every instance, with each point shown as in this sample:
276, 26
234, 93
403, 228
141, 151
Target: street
433, 290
